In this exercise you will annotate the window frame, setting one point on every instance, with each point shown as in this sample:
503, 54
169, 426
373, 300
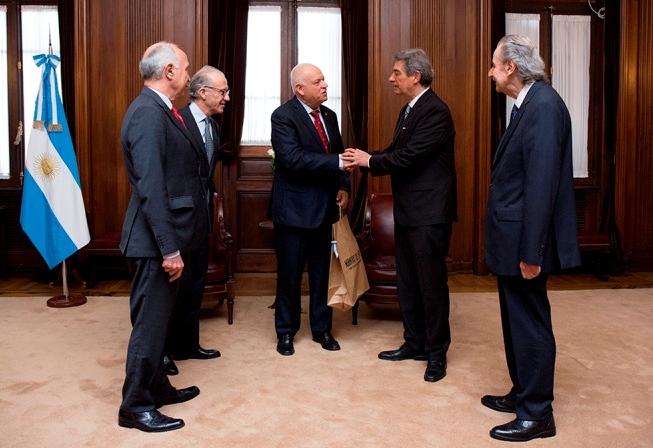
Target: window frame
289, 50
15, 92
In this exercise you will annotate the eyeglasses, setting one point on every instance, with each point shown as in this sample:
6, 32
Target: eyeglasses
224, 92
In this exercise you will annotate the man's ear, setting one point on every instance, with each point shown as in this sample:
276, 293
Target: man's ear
169, 72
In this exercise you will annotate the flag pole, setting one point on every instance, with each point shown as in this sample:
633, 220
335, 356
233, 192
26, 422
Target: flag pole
66, 299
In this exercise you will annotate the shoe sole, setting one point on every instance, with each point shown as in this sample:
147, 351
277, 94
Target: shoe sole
327, 348
437, 378
414, 358
539, 435
496, 408
130, 425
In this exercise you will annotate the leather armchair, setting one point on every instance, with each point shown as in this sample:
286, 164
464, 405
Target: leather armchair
377, 245
220, 274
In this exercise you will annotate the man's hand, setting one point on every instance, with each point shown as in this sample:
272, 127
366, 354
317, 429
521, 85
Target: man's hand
353, 158
529, 271
342, 198
173, 266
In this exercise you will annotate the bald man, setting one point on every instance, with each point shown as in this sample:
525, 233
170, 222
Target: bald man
309, 186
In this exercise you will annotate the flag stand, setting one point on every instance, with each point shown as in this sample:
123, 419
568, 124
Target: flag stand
66, 299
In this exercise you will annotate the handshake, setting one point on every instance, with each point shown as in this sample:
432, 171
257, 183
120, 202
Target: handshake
353, 158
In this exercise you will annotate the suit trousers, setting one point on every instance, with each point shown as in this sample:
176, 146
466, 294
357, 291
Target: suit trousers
295, 248
152, 299
184, 330
529, 343
422, 287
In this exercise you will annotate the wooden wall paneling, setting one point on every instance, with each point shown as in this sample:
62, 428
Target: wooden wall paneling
251, 183
642, 248
626, 153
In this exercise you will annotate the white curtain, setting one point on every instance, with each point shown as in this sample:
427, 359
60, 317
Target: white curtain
319, 43
571, 79
4, 97
40, 24
525, 25
263, 76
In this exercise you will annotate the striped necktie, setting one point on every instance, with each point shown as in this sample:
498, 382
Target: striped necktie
208, 138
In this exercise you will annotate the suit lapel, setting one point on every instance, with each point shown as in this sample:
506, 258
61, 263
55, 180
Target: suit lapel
510, 130
308, 121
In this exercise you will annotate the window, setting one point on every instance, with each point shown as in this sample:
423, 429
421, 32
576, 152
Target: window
282, 34
20, 77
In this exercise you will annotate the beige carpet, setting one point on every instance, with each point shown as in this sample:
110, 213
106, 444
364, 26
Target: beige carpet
61, 372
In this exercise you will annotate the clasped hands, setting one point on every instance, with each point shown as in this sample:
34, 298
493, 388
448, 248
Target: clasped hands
353, 158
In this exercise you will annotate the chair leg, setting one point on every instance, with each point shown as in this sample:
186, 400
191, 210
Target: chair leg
354, 313
230, 307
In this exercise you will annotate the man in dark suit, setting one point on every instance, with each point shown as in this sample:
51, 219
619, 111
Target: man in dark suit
420, 161
209, 93
530, 230
166, 219
309, 186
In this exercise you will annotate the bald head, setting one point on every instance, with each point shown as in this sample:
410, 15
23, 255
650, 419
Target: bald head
309, 85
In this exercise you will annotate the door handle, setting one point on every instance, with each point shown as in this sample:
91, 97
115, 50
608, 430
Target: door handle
19, 134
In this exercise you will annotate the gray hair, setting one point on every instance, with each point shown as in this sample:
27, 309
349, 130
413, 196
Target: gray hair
416, 60
521, 51
156, 58
201, 79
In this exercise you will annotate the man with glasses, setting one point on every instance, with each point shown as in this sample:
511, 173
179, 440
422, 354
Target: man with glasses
209, 94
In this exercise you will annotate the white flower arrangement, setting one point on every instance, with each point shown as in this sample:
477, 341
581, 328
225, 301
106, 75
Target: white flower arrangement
271, 154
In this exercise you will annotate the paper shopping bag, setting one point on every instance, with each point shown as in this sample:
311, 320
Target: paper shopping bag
347, 277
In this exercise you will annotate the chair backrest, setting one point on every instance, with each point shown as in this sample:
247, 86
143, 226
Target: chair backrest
382, 224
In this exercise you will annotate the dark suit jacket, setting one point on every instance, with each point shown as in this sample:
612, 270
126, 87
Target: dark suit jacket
420, 161
531, 213
206, 166
168, 208
306, 179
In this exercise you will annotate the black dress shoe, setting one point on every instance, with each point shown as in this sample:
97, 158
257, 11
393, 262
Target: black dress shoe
180, 396
169, 366
284, 346
149, 421
326, 340
501, 404
198, 353
435, 370
402, 353
523, 430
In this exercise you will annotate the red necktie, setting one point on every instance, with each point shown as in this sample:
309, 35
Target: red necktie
175, 112
320, 130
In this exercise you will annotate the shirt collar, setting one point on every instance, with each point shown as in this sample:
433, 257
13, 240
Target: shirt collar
163, 97
419, 95
522, 94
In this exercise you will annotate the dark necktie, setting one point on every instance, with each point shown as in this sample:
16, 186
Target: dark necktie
175, 112
208, 138
406, 112
513, 112
320, 130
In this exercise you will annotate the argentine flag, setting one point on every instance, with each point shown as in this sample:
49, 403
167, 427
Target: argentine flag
52, 213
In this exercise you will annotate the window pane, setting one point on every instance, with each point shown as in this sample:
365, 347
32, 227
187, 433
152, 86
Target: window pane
571, 58
263, 77
4, 98
319, 43
38, 23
